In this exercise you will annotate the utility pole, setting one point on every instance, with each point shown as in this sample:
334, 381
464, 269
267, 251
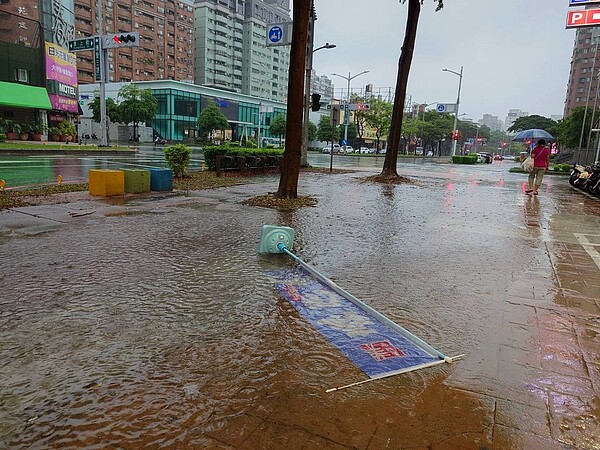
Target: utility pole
103, 77
347, 108
454, 138
309, 62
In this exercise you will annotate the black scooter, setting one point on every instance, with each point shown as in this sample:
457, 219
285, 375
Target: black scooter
592, 183
159, 141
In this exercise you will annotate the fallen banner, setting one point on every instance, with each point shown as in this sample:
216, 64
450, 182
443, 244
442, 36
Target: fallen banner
372, 346
375, 344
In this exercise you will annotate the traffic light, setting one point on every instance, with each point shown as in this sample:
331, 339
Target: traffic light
315, 103
455, 135
124, 38
130, 39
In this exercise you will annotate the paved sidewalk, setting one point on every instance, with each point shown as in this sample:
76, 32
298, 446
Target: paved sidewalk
150, 321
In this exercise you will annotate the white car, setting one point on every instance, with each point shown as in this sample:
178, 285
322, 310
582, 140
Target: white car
364, 150
336, 148
347, 149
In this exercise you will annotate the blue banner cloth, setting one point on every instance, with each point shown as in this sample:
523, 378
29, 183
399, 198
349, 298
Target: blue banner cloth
372, 346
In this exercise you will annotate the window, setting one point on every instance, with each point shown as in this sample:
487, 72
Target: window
22, 75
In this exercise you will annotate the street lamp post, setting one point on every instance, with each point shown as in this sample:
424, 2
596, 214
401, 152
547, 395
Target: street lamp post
423, 120
307, 81
460, 75
346, 110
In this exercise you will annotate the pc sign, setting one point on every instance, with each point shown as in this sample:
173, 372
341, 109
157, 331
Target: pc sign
279, 34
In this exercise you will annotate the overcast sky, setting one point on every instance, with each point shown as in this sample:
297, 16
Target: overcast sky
515, 53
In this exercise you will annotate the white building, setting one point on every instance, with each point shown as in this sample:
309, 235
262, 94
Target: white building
231, 51
321, 85
492, 122
514, 114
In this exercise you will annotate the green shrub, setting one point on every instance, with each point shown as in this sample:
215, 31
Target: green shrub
465, 159
470, 159
54, 130
2, 137
561, 168
210, 154
66, 128
178, 158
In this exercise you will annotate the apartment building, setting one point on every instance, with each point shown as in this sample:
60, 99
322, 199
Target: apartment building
492, 122
513, 114
582, 80
166, 30
231, 50
321, 84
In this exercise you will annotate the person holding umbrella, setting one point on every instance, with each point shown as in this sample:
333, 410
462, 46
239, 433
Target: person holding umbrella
541, 161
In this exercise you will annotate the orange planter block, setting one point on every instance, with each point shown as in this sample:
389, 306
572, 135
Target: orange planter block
106, 183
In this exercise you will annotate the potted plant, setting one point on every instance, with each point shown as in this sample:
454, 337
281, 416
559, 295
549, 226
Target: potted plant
37, 128
24, 131
17, 129
9, 129
54, 133
67, 130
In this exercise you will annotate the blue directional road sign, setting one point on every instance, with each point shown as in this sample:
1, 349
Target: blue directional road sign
441, 107
275, 34
583, 2
279, 34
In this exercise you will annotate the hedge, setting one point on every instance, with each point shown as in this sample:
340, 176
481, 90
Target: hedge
211, 152
466, 159
562, 167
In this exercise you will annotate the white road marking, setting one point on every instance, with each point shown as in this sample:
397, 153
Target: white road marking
589, 247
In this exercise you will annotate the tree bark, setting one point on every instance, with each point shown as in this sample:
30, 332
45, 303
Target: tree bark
406, 55
290, 166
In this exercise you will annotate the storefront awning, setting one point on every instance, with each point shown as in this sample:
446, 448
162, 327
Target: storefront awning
23, 96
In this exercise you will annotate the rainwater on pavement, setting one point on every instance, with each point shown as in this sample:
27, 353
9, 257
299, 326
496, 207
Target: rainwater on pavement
151, 321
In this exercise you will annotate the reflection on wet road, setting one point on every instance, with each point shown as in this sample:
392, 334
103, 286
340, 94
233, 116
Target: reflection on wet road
155, 323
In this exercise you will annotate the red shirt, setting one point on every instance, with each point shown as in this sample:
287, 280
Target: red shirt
540, 156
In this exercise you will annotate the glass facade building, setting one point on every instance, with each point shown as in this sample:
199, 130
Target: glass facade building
180, 105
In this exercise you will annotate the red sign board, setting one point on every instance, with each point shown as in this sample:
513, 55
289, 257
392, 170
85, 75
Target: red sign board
583, 18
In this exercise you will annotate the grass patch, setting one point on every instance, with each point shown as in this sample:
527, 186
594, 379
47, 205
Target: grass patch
18, 198
281, 204
58, 146
198, 180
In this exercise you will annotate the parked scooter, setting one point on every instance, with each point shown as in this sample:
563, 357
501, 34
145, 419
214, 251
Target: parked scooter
592, 183
159, 141
577, 171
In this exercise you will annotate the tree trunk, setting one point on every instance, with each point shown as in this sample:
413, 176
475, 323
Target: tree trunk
391, 156
290, 166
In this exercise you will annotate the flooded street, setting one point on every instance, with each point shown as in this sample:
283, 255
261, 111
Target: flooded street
153, 322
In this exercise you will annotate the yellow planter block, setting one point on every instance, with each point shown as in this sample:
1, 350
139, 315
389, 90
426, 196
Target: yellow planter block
106, 183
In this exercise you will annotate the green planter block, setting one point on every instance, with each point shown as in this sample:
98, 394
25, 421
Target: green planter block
136, 181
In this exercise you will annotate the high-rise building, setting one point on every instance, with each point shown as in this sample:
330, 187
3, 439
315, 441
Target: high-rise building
321, 85
231, 50
492, 122
513, 114
166, 30
581, 76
